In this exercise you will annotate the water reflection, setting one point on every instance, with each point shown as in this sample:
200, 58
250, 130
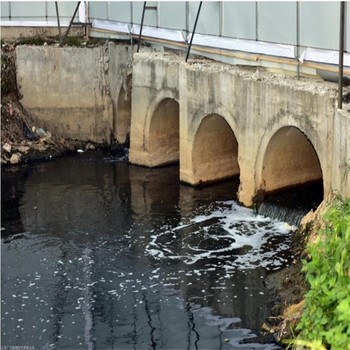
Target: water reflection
85, 276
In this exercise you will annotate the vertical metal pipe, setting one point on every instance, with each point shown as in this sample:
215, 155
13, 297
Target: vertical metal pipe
143, 16
131, 25
87, 14
158, 14
298, 39
187, 21
70, 23
58, 22
194, 30
341, 54
221, 18
256, 20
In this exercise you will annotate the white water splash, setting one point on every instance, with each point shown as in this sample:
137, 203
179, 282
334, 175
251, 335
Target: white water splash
233, 234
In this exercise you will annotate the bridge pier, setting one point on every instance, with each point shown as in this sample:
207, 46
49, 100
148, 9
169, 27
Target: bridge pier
154, 133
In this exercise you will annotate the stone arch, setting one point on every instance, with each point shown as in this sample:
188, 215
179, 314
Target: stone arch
214, 151
122, 126
289, 159
163, 133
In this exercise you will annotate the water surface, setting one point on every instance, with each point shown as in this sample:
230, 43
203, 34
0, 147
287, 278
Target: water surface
100, 254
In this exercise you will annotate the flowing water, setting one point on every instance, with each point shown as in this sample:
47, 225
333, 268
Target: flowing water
100, 254
292, 204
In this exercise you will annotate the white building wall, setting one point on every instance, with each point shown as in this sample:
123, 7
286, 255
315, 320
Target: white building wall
301, 25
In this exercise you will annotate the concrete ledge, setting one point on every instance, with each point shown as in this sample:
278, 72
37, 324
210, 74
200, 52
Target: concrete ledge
12, 34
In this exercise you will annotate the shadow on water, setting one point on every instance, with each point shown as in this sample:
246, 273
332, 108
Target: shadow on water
292, 204
12, 188
118, 256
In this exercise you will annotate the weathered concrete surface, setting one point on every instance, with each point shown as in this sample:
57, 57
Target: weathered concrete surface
154, 136
272, 130
257, 106
341, 153
72, 91
217, 120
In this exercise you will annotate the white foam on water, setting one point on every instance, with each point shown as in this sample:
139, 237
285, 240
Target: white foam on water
242, 239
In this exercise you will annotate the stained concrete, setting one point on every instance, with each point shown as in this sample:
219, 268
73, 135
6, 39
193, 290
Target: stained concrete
254, 106
73, 91
154, 80
217, 120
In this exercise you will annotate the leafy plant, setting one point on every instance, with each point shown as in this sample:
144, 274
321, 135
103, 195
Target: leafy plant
326, 315
311, 345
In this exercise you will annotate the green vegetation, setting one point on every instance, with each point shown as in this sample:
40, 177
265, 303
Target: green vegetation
76, 41
326, 315
35, 40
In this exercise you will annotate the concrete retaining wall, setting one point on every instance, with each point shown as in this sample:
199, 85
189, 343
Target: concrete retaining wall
72, 92
286, 129
217, 120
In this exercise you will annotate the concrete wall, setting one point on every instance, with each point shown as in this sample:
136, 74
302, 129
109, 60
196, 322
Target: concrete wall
341, 153
73, 92
217, 120
274, 131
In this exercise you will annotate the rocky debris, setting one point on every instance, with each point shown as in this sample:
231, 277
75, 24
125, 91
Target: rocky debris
19, 142
7, 147
23, 149
15, 158
90, 146
22, 141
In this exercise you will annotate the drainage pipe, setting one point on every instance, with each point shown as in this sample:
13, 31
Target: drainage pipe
194, 30
341, 55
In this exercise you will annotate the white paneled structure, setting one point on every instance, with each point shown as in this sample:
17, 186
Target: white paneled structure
284, 34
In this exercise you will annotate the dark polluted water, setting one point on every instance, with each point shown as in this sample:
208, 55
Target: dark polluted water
100, 254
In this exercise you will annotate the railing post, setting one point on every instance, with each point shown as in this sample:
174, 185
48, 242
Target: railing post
341, 55
143, 16
70, 23
58, 22
194, 30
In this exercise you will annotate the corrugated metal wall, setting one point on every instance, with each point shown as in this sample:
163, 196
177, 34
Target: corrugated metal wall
275, 22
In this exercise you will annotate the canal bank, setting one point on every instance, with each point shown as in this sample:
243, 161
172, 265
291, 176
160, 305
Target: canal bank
16, 137
224, 129
25, 139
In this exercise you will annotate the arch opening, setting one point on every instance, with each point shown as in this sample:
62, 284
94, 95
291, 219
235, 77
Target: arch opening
215, 151
123, 121
164, 133
290, 160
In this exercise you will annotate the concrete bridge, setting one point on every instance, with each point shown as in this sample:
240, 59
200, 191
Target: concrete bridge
216, 120
220, 121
